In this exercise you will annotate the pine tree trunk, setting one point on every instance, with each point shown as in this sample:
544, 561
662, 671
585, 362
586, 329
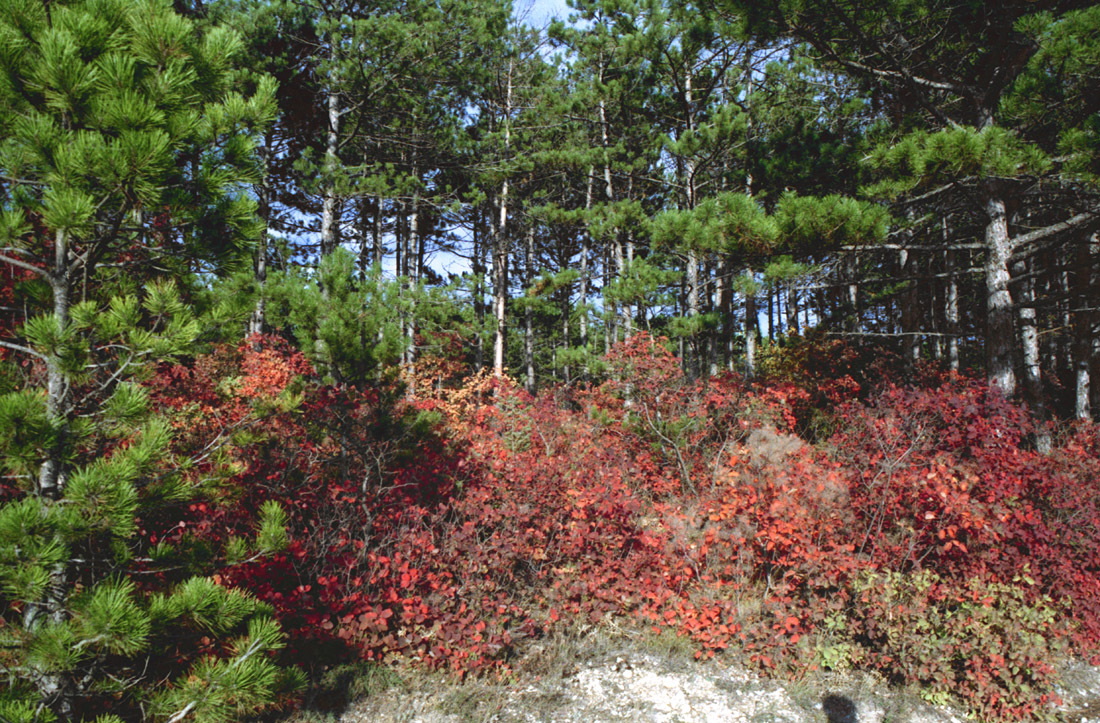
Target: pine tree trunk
55, 689
528, 313
1029, 343
616, 309
726, 311
999, 334
500, 281
479, 289
750, 332
51, 475
500, 250
586, 239
853, 318
792, 307
692, 275
607, 321
609, 195
377, 240
951, 305
909, 311
263, 210
565, 334
628, 307
712, 331
692, 261
770, 291
329, 201
1084, 326
412, 262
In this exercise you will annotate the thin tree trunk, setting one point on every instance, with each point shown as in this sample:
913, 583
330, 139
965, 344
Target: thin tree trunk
329, 226
412, 271
500, 282
951, 311
609, 196
999, 334
565, 334
1029, 342
52, 477
377, 240
263, 210
770, 291
721, 305
586, 239
607, 318
479, 290
500, 250
628, 307
909, 311
726, 311
528, 312
853, 318
692, 261
712, 331
1085, 333
750, 330
792, 307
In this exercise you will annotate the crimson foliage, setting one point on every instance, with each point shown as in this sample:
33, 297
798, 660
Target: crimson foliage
923, 538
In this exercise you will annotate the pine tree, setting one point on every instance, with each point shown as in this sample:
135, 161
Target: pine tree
945, 71
123, 148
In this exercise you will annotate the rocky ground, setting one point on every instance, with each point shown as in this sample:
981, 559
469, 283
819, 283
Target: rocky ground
618, 681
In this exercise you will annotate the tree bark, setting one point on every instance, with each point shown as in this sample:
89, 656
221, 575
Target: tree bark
951, 306
329, 223
1084, 325
412, 263
853, 319
51, 475
528, 313
500, 247
999, 333
479, 288
910, 313
750, 330
263, 202
1029, 345
55, 689
586, 240
500, 282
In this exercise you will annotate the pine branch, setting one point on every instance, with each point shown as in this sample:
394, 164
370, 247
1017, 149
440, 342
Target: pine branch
23, 349
29, 267
895, 75
255, 647
1039, 234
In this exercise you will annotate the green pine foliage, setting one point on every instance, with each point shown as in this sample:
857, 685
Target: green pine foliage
125, 150
921, 159
82, 632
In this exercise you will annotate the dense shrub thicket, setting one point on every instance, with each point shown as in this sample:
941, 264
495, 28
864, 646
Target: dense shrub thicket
922, 536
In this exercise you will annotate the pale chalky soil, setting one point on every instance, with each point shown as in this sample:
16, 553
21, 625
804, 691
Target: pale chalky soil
641, 687
645, 689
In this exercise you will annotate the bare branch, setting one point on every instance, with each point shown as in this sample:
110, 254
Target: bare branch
23, 349
24, 265
1039, 234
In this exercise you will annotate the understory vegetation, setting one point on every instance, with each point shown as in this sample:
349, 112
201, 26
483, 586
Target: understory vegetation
920, 535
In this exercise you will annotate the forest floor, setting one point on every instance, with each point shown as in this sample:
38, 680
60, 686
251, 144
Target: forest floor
609, 676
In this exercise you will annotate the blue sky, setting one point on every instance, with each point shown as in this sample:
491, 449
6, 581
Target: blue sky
540, 12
